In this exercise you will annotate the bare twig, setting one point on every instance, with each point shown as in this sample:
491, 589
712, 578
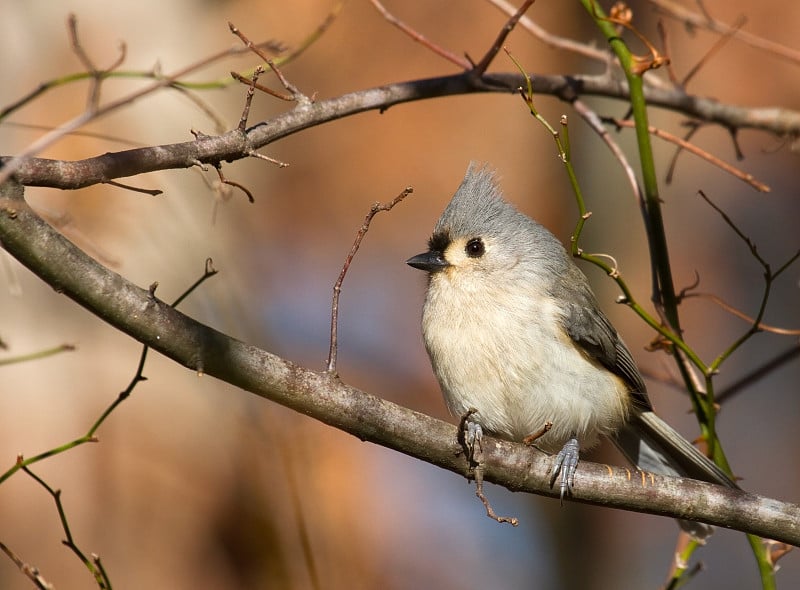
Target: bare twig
769, 278
278, 163
138, 377
153, 192
761, 326
94, 565
704, 21
665, 43
295, 93
233, 183
34, 356
762, 371
337, 287
101, 578
30, 571
208, 272
694, 127
265, 89
480, 68
98, 75
689, 147
534, 436
512, 520
153, 74
461, 62
720, 43
473, 453
11, 165
248, 97
554, 41
595, 122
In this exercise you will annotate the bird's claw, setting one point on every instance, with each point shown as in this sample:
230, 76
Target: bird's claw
471, 434
566, 463
473, 437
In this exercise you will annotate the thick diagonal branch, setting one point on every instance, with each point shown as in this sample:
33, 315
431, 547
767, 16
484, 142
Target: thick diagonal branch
136, 312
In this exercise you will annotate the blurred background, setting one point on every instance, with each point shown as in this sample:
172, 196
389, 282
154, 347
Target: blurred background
195, 484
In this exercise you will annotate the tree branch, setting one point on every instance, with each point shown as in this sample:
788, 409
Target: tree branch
138, 313
235, 145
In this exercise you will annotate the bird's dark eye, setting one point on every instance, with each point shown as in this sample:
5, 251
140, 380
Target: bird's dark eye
475, 248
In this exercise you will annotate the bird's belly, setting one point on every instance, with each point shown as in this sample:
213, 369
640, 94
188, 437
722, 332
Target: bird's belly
526, 376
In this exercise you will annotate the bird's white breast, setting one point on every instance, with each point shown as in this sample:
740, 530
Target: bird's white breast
507, 356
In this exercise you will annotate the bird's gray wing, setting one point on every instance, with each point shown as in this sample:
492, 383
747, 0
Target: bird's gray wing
589, 328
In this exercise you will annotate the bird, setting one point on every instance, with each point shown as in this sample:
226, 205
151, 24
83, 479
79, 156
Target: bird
519, 344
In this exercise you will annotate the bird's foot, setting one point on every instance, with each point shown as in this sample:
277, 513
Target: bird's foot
470, 435
566, 464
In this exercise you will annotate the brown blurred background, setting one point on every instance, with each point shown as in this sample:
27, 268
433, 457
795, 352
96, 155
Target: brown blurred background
196, 484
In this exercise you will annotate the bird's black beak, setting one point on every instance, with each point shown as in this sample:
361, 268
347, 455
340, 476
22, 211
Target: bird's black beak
431, 261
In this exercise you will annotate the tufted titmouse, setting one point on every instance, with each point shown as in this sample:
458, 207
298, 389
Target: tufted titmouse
514, 331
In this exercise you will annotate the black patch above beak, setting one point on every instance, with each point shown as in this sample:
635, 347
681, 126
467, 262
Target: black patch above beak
431, 261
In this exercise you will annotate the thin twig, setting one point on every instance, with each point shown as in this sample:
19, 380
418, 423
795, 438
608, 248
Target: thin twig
553, 41
480, 68
30, 571
689, 147
337, 287
153, 74
665, 43
595, 122
10, 166
94, 565
534, 436
715, 48
295, 93
265, 89
769, 278
34, 356
760, 372
153, 192
694, 127
101, 578
512, 520
98, 75
248, 97
138, 377
704, 21
278, 163
233, 183
461, 62
761, 326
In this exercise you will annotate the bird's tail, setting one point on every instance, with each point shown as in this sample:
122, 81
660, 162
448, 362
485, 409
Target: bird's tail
653, 445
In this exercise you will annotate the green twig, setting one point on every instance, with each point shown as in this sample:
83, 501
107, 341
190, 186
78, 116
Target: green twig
35, 356
563, 146
94, 565
182, 85
664, 295
100, 576
769, 278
